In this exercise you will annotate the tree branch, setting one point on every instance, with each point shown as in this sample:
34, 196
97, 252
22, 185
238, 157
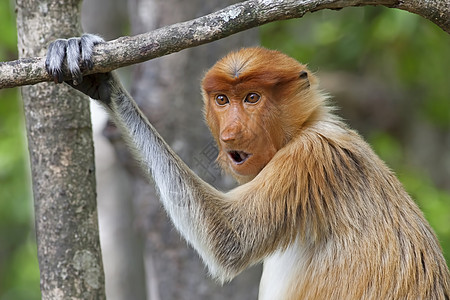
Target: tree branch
125, 51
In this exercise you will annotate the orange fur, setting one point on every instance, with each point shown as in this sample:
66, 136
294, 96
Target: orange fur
326, 215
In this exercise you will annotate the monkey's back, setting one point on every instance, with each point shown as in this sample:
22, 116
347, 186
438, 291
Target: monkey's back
361, 235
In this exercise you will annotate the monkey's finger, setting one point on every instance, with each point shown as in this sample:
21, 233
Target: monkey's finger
73, 59
55, 57
88, 41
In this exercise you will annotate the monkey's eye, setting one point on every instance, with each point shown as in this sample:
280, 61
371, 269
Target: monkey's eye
252, 98
221, 99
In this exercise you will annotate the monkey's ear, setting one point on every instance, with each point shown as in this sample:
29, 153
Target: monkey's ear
303, 75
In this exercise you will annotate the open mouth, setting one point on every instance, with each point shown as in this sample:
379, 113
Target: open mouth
238, 157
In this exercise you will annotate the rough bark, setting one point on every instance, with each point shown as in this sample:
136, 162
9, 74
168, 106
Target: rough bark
125, 51
62, 163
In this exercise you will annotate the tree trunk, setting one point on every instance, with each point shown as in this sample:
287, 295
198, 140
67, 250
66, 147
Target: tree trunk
62, 162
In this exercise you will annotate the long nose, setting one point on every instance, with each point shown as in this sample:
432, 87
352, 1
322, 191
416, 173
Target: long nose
231, 132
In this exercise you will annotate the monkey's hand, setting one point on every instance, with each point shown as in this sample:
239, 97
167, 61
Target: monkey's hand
76, 55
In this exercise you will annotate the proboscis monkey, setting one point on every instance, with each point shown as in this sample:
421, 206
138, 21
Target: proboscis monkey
316, 205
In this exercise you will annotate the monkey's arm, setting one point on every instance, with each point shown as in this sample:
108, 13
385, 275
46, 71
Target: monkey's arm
229, 230
221, 227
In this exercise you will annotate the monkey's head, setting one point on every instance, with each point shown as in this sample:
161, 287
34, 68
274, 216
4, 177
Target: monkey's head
255, 101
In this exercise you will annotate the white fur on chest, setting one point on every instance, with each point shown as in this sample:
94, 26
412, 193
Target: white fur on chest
281, 273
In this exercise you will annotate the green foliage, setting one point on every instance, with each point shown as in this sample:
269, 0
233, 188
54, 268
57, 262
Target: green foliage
18, 262
19, 273
8, 37
412, 51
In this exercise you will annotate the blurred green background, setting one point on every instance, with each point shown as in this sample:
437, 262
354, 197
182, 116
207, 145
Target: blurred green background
389, 73
19, 273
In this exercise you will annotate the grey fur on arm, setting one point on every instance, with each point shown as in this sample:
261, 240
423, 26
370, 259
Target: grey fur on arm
186, 198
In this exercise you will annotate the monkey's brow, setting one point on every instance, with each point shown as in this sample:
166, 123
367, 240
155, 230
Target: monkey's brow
237, 70
238, 65
217, 92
